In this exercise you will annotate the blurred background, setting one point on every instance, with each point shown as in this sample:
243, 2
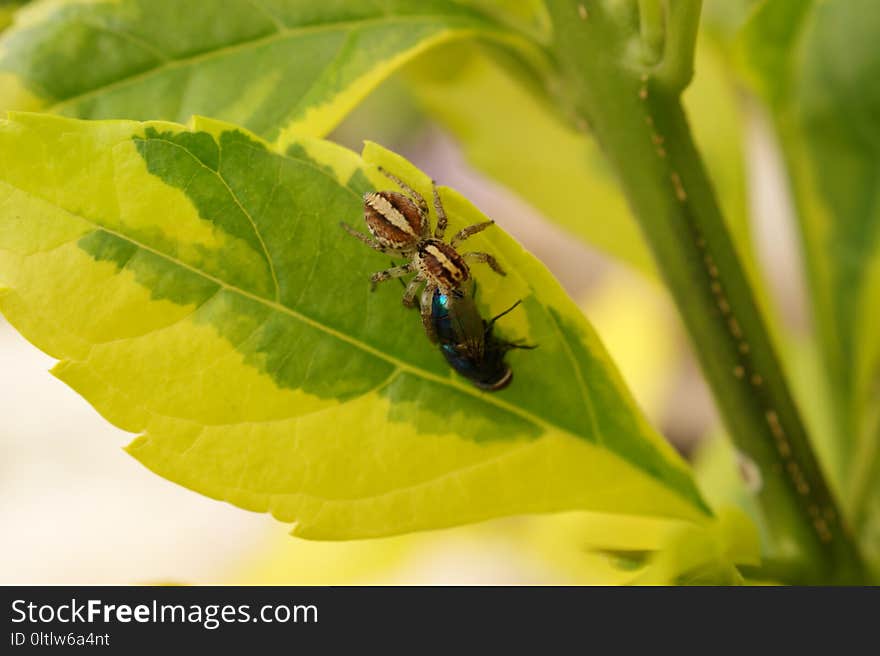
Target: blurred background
75, 508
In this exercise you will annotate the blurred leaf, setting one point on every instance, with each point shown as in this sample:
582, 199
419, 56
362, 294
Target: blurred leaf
706, 554
279, 68
291, 561
619, 309
595, 548
488, 552
599, 549
725, 475
370, 118
514, 136
817, 65
229, 321
723, 19
7, 11
526, 16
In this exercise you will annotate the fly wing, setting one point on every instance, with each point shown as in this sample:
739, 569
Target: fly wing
469, 327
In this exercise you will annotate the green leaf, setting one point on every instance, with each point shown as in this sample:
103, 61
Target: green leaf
526, 16
278, 68
509, 131
198, 289
817, 66
706, 554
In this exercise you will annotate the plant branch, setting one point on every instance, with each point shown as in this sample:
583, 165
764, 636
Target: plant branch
638, 120
682, 21
652, 29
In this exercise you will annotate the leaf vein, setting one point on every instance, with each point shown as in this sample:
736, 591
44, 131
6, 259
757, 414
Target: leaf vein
237, 201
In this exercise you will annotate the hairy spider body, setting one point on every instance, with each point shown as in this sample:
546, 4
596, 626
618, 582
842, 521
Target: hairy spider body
468, 342
399, 225
442, 264
394, 220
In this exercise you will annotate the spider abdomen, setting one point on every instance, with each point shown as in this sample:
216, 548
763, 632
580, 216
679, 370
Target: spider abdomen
395, 220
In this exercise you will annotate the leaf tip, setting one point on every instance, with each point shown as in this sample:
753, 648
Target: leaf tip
135, 445
60, 367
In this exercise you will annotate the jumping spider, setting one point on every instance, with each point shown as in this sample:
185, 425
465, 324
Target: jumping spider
400, 226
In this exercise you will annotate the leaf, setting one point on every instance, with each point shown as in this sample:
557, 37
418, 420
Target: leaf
619, 309
282, 560
596, 548
817, 66
199, 291
599, 549
7, 11
511, 132
526, 16
278, 68
705, 554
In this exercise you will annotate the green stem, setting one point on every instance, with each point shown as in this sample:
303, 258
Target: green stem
677, 68
639, 122
651, 30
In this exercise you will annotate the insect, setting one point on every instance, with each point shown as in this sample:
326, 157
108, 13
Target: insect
399, 225
468, 342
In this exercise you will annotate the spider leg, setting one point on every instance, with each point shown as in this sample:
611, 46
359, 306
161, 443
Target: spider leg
388, 274
412, 193
369, 241
470, 231
426, 303
402, 284
441, 213
486, 259
409, 294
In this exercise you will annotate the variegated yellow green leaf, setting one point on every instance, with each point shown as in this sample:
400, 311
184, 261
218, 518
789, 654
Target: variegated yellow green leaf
198, 290
277, 67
